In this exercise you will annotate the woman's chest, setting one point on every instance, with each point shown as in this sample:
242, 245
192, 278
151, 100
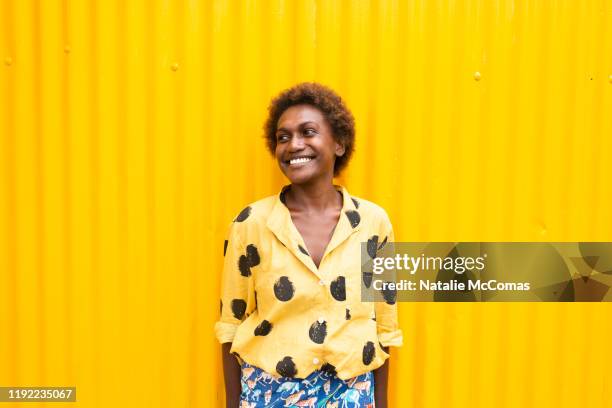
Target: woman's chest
285, 274
316, 232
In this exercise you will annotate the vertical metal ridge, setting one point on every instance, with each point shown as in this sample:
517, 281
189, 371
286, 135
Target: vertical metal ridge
67, 192
8, 206
39, 196
95, 204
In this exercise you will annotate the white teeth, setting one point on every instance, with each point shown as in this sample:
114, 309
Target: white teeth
300, 160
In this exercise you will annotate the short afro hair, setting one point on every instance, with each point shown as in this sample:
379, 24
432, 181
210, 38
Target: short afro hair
327, 101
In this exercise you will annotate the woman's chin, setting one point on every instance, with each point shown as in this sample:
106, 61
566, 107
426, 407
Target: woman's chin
297, 180
299, 176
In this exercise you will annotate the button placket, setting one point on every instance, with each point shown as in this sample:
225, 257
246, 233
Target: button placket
324, 282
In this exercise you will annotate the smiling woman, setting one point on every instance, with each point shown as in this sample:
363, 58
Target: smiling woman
305, 145
329, 111
291, 310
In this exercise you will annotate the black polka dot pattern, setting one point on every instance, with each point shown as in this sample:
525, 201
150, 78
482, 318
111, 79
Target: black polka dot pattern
243, 266
251, 259
389, 294
238, 308
369, 352
317, 332
382, 244
244, 214
338, 288
252, 255
372, 246
353, 217
329, 369
285, 281
303, 250
367, 279
283, 289
286, 367
263, 328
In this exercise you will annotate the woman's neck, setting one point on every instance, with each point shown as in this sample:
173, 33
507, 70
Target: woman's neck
313, 198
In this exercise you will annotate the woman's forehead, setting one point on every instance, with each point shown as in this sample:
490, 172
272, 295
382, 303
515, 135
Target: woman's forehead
298, 114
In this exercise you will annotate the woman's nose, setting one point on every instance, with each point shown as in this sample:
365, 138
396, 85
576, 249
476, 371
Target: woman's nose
296, 143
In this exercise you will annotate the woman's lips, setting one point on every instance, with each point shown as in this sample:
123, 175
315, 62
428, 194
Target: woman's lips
300, 161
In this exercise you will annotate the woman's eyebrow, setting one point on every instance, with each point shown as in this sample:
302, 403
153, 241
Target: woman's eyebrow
300, 125
308, 122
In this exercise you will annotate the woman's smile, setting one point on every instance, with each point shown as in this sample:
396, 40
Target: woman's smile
300, 161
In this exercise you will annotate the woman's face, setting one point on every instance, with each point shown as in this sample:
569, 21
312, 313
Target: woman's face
305, 146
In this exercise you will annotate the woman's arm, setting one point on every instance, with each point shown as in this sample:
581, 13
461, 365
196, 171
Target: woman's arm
231, 373
381, 374
237, 302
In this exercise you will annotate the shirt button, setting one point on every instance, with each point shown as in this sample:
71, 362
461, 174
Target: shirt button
321, 282
321, 319
315, 361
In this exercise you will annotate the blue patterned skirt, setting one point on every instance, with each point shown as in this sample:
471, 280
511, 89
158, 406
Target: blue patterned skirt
319, 389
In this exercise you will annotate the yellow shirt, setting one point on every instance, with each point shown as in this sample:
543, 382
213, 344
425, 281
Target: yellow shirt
288, 317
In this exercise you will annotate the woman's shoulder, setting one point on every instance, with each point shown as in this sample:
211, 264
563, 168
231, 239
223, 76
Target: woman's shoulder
256, 211
369, 209
248, 223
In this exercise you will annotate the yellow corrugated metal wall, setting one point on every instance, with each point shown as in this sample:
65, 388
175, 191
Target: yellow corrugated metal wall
130, 135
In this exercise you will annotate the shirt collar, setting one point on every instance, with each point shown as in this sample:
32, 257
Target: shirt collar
280, 223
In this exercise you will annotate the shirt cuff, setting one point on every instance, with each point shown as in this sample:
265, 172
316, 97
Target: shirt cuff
393, 339
225, 332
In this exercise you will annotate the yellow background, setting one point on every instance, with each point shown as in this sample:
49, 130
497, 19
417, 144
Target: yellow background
130, 136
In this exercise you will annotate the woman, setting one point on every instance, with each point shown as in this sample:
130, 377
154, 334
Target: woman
291, 309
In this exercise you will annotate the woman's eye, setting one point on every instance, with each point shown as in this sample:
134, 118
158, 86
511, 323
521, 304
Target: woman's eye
310, 131
282, 138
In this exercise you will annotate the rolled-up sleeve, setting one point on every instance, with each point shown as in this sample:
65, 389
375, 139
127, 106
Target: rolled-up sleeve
237, 293
389, 332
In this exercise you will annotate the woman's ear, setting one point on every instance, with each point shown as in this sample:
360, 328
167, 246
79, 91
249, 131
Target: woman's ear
340, 150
